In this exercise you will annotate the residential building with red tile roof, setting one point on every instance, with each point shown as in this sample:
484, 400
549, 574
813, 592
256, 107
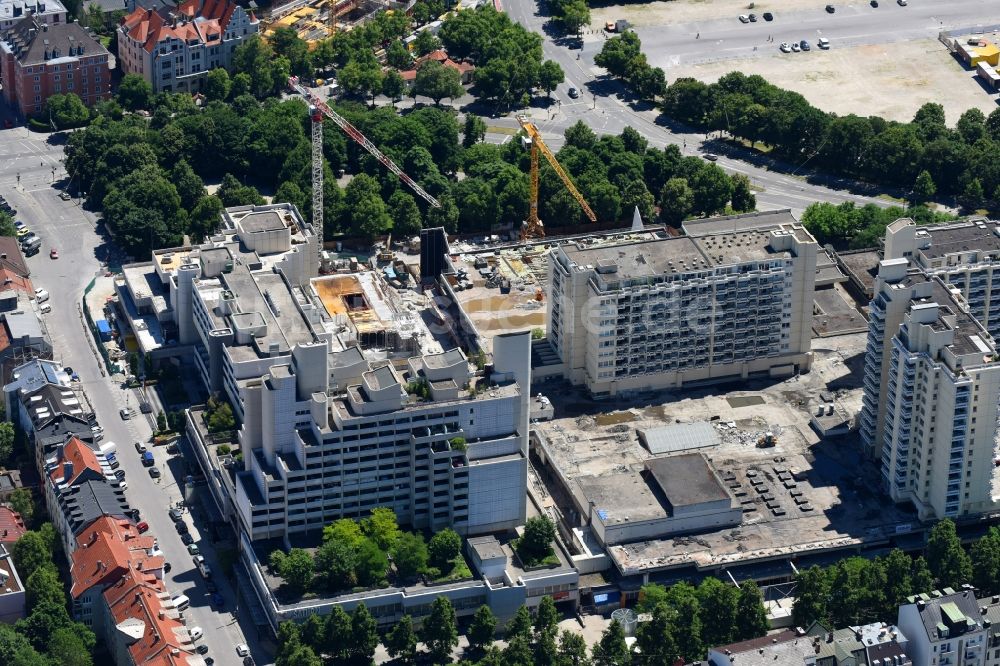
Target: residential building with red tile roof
107, 550
143, 627
38, 60
12, 526
464, 69
174, 48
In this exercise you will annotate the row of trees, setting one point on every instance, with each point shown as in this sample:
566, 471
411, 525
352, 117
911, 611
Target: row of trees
148, 175
847, 225
571, 14
858, 591
47, 636
357, 553
962, 161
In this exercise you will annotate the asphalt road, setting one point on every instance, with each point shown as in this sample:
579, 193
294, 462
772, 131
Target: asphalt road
83, 251
604, 106
852, 24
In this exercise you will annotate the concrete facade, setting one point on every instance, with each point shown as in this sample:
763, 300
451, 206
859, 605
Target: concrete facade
678, 311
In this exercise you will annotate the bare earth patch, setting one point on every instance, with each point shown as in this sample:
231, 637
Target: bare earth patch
891, 81
690, 11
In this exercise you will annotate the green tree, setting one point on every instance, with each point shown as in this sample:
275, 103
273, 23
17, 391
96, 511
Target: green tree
636, 195
712, 189
6, 442
474, 130
22, 501
580, 136
381, 527
539, 533
66, 111
683, 600
650, 595
946, 558
971, 125
405, 213
547, 617
575, 15
743, 198
436, 81
134, 93
572, 650
363, 79
898, 567
68, 646
520, 625
295, 568
286, 42
812, 588
43, 585
393, 86
145, 211
371, 563
444, 547
482, 628
409, 554
655, 638
618, 52
268, 72
30, 552
94, 18
401, 642
922, 578
440, 631
242, 85
366, 212
676, 201
364, 635
923, 188
233, 193
550, 75
217, 85
612, 650
425, 43
973, 196
398, 56
337, 640
751, 616
718, 605
985, 556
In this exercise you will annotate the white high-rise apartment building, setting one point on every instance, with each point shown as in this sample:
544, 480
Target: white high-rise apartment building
931, 385
670, 312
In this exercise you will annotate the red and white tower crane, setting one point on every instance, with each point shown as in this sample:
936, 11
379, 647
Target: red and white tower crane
317, 109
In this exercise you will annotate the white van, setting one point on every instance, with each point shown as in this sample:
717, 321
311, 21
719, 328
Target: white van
181, 602
823, 43
109, 448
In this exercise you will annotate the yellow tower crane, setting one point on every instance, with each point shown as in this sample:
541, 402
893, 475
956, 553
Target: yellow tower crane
533, 226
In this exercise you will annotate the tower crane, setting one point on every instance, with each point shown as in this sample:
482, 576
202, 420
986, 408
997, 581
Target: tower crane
533, 226
317, 109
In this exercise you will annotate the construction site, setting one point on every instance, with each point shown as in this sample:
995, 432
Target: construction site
316, 20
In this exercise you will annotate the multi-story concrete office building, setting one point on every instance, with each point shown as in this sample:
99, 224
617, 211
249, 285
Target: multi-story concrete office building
347, 400
670, 312
173, 48
931, 385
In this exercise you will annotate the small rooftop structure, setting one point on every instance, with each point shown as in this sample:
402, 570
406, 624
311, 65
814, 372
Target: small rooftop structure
678, 437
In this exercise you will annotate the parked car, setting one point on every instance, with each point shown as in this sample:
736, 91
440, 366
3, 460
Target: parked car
744, 18
173, 448
176, 514
125, 413
795, 47
196, 633
123, 485
142, 526
785, 47
242, 650
711, 157
181, 527
114, 464
41, 295
823, 43
201, 649
768, 16
753, 18
193, 549
140, 447
45, 308
873, 3
154, 472
120, 473
167, 567
22, 230
830, 9
187, 539
804, 45
901, 3
53, 253
147, 459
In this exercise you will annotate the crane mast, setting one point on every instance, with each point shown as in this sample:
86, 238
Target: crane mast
533, 226
321, 109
